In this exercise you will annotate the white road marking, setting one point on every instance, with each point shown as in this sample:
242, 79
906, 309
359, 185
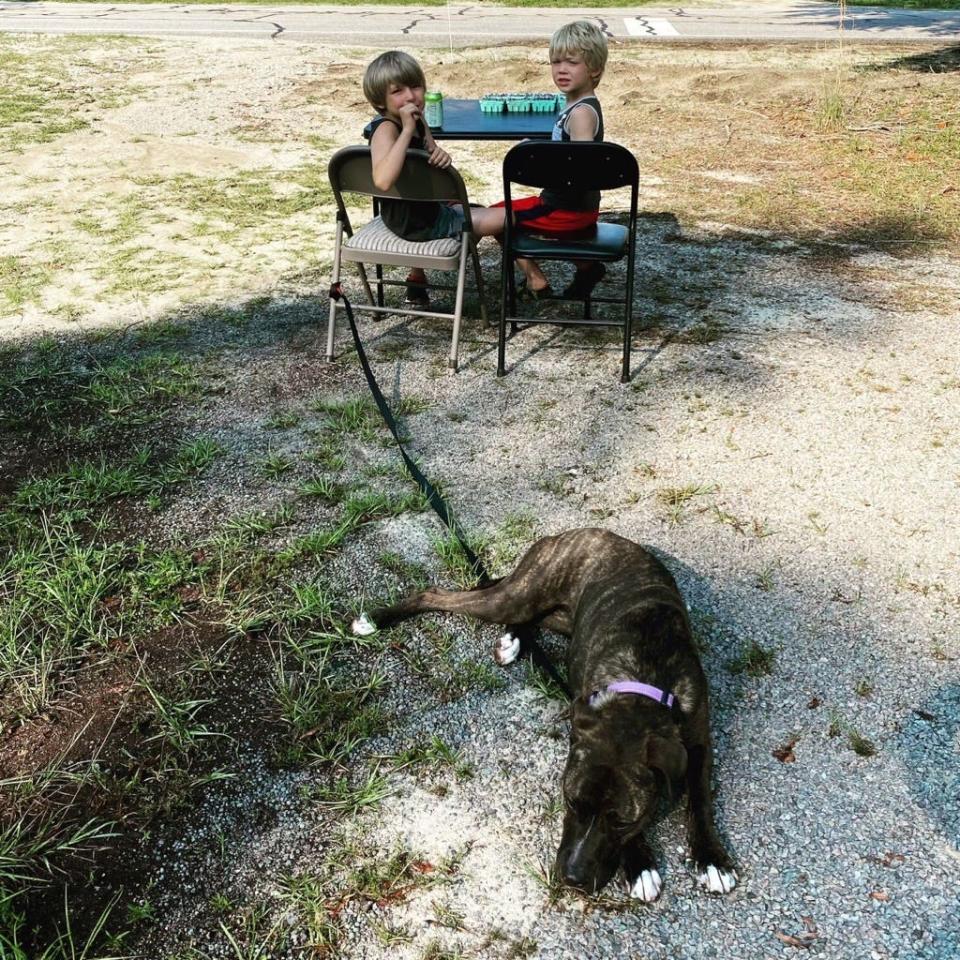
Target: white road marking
650, 27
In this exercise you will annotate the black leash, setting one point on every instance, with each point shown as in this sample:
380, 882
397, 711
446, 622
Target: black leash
527, 636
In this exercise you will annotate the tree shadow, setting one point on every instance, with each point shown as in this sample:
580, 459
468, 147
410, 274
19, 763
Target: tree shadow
880, 20
942, 60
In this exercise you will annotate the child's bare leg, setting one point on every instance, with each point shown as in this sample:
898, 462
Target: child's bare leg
487, 221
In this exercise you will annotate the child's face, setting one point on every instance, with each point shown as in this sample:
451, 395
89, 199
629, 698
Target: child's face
399, 95
571, 75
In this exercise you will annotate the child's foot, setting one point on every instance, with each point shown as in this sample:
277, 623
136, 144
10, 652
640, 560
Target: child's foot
584, 281
416, 295
526, 292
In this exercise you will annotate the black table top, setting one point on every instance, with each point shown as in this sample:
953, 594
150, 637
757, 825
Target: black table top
464, 120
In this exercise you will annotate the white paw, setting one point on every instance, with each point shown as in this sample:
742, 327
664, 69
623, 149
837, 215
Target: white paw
647, 886
363, 626
507, 649
716, 880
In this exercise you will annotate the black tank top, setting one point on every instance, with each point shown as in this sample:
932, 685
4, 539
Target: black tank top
569, 199
410, 219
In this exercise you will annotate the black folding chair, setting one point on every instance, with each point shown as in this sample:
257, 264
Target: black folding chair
579, 166
351, 171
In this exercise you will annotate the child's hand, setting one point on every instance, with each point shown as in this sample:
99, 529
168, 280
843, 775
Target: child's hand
439, 157
409, 115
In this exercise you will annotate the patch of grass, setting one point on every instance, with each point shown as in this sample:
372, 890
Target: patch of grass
676, 499
21, 281
282, 420
356, 417
515, 535
45, 390
275, 465
544, 684
861, 745
435, 753
364, 506
454, 562
349, 798
87, 484
754, 660
323, 488
306, 896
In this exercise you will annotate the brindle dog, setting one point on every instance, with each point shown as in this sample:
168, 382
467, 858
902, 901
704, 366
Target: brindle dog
627, 622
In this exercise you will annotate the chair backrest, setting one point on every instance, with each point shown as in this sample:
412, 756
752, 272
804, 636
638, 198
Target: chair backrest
574, 165
351, 171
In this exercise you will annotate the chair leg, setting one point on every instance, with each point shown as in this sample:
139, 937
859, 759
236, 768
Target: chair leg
506, 272
379, 271
332, 322
366, 283
479, 275
628, 313
458, 303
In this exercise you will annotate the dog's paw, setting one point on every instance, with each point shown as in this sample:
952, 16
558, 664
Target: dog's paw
717, 880
647, 886
363, 626
506, 649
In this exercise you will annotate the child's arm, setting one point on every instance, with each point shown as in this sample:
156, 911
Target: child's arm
582, 123
388, 147
438, 156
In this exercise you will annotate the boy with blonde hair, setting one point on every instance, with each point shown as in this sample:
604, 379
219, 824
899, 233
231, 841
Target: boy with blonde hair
578, 57
394, 84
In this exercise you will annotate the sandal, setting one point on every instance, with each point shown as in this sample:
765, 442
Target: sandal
416, 295
581, 287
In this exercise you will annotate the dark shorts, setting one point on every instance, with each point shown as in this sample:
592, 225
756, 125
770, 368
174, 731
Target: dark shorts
533, 215
449, 223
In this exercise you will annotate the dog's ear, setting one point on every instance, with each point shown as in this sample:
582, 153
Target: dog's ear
669, 756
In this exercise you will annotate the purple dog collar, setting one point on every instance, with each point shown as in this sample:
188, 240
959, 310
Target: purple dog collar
641, 690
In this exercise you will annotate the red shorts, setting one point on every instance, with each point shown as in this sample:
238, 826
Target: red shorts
531, 214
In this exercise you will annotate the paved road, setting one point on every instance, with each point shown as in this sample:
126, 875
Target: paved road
477, 24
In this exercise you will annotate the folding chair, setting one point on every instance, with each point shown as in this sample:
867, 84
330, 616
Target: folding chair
351, 171
569, 166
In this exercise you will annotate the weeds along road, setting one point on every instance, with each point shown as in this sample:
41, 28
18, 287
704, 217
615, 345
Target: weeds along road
471, 25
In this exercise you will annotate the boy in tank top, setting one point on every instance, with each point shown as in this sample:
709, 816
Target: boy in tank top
578, 56
395, 85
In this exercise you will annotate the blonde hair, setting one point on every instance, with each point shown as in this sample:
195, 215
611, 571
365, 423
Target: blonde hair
391, 67
584, 39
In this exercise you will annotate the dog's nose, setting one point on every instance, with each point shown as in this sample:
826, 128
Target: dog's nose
573, 875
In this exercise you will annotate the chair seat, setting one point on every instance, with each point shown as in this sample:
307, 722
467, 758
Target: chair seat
608, 242
377, 237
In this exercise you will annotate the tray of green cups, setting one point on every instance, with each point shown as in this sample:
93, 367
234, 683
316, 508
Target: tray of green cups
492, 103
518, 103
543, 102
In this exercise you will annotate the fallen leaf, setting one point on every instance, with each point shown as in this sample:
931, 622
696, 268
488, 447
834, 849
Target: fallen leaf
792, 941
785, 753
880, 895
814, 703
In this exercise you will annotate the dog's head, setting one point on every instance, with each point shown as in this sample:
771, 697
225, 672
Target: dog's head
615, 777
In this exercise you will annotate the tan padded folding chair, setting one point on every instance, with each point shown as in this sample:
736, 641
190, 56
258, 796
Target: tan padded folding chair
351, 171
